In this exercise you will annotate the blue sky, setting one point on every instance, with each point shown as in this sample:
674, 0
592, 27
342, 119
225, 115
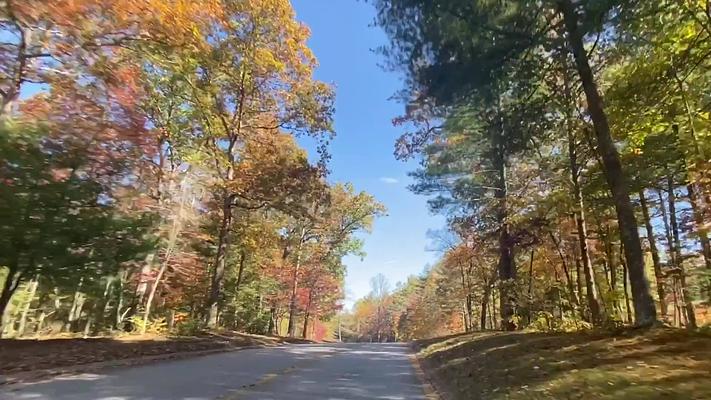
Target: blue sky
342, 39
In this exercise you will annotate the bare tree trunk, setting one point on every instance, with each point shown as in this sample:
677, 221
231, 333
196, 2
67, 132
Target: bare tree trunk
688, 305
661, 292
645, 310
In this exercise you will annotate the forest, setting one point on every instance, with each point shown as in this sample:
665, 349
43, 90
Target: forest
152, 175
154, 180
168, 191
567, 143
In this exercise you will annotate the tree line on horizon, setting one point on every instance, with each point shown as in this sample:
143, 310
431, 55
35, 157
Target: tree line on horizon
568, 144
151, 176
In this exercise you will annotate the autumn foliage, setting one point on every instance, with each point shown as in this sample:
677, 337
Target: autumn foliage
153, 179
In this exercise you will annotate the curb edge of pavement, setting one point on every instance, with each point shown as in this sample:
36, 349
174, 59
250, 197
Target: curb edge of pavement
39, 375
431, 392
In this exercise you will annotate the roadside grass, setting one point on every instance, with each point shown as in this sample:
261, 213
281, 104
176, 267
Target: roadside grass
632, 365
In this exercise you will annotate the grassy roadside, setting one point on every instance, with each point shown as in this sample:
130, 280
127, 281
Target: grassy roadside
657, 364
24, 355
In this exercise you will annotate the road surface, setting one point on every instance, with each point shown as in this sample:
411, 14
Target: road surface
297, 372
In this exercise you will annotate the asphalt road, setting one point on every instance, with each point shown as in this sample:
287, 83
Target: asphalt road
297, 372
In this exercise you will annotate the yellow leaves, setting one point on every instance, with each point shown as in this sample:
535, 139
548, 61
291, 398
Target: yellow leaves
178, 21
266, 59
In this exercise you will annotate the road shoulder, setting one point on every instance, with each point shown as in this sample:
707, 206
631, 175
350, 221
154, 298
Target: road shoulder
27, 361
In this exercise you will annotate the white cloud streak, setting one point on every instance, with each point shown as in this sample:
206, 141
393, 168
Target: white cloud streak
389, 180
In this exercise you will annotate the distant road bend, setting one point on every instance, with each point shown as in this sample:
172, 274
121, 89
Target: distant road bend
298, 372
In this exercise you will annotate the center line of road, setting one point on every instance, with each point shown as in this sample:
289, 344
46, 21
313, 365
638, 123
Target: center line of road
268, 378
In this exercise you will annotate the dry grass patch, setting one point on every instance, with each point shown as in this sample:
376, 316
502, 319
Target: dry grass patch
631, 365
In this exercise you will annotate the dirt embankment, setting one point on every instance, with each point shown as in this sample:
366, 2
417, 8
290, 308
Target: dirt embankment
631, 365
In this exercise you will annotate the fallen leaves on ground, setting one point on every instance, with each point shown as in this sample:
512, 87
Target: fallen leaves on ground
631, 365
30, 355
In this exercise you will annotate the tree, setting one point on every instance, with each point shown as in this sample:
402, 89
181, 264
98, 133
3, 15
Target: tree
453, 50
55, 215
167, 129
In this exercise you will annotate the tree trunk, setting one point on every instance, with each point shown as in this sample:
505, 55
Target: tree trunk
306, 325
307, 315
645, 310
667, 229
530, 284
468, 306
579, 281
482, 317
103, 307
701, 230
119, 303
605, 264
31, 290
271, 329
661, 292
40, 323
218, 272
592, 296
76, 307
625, 278
612, 266
568, 280
688, 305
583, 259
12, 282
144, 277
493, 313
152, 293
507, 267
291, 329
240, 271
87, 326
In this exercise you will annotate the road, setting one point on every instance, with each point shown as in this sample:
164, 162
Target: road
297, 372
